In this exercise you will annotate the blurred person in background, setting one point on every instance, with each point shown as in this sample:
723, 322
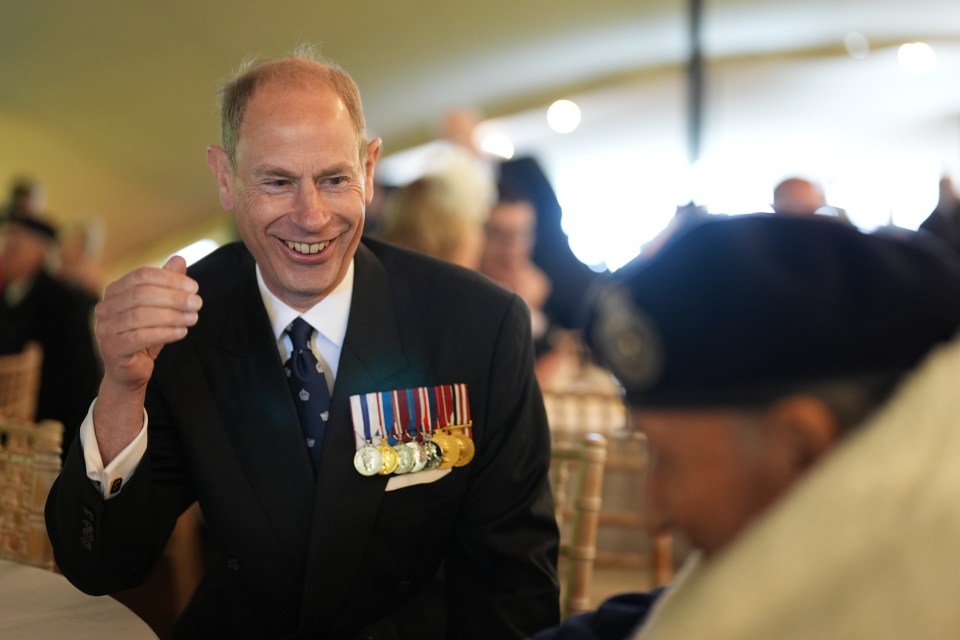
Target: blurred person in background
944, 221
797, 197
36, 306
507, 259
433, 216
802, 197
524, 179
81, 245
27, 199
551, 247
795, 380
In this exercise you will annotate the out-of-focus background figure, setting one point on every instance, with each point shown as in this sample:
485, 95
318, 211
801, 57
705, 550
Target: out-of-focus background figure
802, 197
944, 221
433, 215
35, 306
798, 197
507, 259
81, 245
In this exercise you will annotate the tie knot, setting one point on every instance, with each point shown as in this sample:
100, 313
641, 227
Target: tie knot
299, 332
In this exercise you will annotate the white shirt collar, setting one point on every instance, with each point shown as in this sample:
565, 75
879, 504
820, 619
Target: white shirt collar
329, 316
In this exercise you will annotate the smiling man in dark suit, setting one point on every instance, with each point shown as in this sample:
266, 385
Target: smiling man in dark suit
195, 405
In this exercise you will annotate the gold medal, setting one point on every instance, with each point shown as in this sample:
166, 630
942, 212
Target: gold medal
450, 452
467, 449
389, 459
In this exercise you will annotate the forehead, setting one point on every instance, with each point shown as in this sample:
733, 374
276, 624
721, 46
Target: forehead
278, 107
515, 213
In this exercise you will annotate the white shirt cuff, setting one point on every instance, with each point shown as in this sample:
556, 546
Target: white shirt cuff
110, 479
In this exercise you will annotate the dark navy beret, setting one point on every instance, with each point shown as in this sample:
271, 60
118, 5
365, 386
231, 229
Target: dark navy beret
42, 227
742, 309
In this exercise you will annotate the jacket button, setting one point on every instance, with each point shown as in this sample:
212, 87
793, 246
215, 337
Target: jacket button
404, 587
233, 564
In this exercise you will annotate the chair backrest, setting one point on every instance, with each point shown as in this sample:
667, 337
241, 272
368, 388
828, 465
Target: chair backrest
576, 475
574, 412
20, 382
624, 540
29, 463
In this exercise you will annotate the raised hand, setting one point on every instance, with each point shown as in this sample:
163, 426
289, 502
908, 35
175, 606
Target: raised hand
139, 314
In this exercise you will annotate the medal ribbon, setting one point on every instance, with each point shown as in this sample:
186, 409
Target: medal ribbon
462, 405
445, 399
423, 404
385, 416
386, 409
365, 410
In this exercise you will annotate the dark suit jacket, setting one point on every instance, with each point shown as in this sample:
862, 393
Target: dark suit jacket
58, 316
617, 618
471, 555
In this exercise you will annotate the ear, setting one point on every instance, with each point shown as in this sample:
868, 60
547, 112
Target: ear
373, 153
802, 429
222, 172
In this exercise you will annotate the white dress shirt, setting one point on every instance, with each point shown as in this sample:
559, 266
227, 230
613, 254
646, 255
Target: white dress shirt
328, 317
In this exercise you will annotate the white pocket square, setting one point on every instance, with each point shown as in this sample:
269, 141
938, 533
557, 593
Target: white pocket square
410, 479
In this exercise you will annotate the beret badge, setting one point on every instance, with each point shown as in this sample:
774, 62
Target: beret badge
627, 340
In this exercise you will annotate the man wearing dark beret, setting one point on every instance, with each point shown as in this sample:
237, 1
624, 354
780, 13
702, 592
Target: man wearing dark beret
796, 381
36, 307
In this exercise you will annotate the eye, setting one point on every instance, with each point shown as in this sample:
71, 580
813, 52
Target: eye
275, 185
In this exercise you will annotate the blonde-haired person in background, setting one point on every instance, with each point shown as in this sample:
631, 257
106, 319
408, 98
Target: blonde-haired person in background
435, 217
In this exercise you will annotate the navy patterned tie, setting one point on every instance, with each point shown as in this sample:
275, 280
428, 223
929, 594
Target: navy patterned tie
309, 388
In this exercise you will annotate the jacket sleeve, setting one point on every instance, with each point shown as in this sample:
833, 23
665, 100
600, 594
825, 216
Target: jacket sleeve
105, 546
501, 571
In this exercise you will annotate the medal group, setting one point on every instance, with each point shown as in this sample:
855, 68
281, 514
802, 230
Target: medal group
412, 430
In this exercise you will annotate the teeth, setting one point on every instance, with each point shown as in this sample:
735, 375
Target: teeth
304, 248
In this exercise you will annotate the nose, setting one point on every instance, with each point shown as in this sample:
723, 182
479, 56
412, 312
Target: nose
310, 209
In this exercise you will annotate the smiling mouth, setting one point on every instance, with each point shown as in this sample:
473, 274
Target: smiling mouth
307, 249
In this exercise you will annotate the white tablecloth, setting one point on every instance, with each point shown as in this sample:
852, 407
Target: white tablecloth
36, 604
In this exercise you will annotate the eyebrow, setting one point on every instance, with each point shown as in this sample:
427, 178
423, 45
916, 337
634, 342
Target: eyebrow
272, 170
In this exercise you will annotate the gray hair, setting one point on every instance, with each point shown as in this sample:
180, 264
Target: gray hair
303, 67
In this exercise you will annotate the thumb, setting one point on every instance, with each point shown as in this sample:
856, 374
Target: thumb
176, 263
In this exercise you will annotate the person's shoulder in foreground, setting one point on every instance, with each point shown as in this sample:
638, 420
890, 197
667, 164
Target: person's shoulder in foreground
616, 618
794, 380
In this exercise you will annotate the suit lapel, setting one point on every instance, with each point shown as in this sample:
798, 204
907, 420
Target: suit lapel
347, 503
260, 416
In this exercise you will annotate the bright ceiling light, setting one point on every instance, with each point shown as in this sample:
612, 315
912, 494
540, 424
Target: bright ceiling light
563, 116
917, 58
498, 144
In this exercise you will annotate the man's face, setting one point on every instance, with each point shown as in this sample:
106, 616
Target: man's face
24, 252
510, 231
708, 474
298, 190
799, 198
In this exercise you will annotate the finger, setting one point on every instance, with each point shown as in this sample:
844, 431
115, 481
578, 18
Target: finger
143, 317
147, 298
126, 344
172, 278
176, 264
